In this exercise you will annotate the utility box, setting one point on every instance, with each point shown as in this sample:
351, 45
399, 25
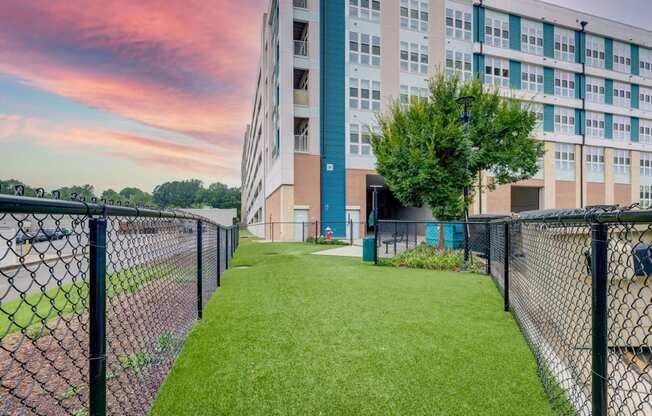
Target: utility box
368, 248
453, 235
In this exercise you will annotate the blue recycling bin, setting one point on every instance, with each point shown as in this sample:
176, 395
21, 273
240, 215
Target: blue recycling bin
453, 235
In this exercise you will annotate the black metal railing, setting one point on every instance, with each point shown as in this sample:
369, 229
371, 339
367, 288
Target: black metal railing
579, 283
96, 301
306, 231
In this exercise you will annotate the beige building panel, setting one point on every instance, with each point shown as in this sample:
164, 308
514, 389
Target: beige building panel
635, 177
549, 192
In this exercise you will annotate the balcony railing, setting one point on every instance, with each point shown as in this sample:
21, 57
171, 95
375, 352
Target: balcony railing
301, 4
301, 48
301, 143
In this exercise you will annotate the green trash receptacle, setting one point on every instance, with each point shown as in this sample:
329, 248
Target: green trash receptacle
368, 248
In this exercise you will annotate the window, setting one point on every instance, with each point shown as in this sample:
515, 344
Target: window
622, 60
366, 51
359, 139
622, 95
496, 71
564, 84
646, 196
595, 90
595, 51
645, 131
458, 24
364, 94
564, 44
459, 64
536, 108
540, 171
595, 124
414, 15
645, 99
532, 37
365, 9
532, 77
407, 94
565, 161
594, 163
414, 57
621, 128
646, 166
564, 120
622, 164
645, 62
496, 29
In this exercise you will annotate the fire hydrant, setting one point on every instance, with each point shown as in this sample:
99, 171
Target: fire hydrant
329, 234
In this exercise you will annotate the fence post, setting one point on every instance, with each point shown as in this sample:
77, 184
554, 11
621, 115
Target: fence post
97, 317
226, 249
599, 313
199, 269
219, 272
376, 225
395, 235
316, 230
351, 230
506, 266
466, 242
272, 232
488, 245
303, 231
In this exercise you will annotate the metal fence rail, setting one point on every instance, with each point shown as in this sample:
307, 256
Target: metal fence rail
96, 302
346, 231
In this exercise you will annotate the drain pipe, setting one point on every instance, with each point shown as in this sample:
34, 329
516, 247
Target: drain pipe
582, 87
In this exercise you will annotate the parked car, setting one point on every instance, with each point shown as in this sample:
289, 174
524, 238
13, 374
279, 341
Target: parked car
23, 237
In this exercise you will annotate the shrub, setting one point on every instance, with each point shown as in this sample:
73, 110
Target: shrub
322, 240
425, 256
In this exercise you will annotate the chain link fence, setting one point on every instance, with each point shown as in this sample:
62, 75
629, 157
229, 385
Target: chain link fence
578, 282
351, 232
96, 302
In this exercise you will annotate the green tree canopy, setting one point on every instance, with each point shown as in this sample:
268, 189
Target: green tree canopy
179, 194
426, 158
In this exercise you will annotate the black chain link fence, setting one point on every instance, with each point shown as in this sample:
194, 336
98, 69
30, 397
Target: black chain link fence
579, 283
305, 231
96, 302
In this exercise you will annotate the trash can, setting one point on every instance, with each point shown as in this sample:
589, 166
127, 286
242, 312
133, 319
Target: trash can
368, 248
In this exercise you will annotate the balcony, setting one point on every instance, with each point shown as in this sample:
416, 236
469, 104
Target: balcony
300, 4
301, 48
301, 143
301, 97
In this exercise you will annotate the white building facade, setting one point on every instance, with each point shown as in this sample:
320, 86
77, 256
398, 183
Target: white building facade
328, 67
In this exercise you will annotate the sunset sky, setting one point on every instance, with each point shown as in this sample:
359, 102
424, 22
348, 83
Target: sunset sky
135, 93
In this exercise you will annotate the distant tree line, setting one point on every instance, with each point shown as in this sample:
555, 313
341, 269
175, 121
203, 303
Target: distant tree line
189, 193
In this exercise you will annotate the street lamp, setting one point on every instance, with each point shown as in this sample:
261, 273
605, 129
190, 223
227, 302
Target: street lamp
466, 102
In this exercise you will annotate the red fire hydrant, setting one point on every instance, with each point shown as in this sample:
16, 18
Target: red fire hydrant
329, 234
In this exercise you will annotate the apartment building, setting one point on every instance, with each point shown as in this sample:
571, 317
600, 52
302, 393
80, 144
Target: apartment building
328, 67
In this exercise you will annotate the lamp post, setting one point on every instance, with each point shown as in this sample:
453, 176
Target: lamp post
466, 102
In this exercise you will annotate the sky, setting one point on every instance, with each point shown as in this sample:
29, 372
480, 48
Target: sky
120, 93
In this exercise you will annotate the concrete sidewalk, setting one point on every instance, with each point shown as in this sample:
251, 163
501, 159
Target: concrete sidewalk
344, 251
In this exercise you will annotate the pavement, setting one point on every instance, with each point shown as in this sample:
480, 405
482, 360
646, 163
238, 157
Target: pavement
344, 251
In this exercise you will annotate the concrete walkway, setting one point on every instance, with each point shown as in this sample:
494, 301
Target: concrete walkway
345, 251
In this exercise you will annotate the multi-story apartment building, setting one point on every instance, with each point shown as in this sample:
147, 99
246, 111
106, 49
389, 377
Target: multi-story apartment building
328, 67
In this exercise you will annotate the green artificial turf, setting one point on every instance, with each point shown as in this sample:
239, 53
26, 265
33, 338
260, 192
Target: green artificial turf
299, 334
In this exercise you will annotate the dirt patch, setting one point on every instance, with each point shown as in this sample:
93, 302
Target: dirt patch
48, 374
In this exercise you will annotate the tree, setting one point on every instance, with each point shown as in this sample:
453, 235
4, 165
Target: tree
136, 197
80, 191
427, 159
111, 196
219, 195
179, 194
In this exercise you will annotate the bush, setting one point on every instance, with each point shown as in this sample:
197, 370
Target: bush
425, 256
322, 240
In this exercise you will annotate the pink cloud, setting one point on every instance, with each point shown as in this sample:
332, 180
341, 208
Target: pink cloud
182, 66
